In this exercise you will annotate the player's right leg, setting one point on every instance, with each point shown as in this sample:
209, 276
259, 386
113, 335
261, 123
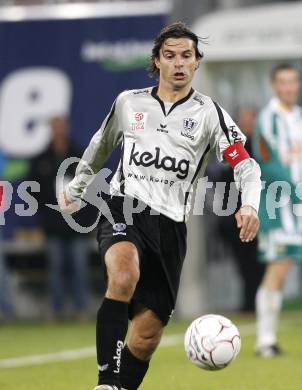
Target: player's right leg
122, 265
144, 336
268, 307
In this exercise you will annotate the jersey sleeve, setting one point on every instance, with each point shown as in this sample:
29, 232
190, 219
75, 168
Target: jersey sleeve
96, 154
223, 131
224, 134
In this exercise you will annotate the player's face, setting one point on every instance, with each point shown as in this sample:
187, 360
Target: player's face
287, 86
177, 63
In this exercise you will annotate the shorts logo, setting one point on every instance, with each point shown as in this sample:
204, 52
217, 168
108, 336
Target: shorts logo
139, 121
119, 228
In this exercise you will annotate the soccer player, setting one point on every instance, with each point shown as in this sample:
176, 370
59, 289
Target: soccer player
167, 133
278, 149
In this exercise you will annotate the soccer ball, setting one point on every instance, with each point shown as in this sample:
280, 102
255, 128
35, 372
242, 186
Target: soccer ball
212, 342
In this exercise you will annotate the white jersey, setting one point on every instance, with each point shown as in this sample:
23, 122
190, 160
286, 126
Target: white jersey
163, 152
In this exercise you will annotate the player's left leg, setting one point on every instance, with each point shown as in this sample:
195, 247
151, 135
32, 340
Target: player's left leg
268, 306
144, 336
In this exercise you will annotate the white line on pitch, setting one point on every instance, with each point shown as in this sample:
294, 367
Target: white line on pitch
87, 352
71, 354
33, 360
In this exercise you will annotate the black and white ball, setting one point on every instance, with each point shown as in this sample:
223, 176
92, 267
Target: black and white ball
212, 342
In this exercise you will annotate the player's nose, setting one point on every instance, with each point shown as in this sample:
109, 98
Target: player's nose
179, 61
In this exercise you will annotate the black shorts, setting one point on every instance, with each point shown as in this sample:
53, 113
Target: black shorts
161, 244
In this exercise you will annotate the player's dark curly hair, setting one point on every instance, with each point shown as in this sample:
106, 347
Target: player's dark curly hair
174, 30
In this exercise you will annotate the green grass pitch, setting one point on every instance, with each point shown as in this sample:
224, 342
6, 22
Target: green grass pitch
73, 366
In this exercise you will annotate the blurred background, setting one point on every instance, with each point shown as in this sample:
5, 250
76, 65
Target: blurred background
62, 63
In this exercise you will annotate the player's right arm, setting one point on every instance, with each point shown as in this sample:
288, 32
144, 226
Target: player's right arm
99, 149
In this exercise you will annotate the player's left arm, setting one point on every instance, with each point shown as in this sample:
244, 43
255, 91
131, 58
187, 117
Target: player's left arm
229, 143
247, 178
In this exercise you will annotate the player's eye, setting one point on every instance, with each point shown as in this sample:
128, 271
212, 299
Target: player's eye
169, 56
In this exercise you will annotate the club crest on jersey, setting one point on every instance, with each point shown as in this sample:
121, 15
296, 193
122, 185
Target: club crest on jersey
189, 124
139, 120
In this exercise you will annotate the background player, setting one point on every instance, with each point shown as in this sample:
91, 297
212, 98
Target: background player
278, 149
168, 133
66, 248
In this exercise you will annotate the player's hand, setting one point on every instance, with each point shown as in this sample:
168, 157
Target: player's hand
248, 223
68, 206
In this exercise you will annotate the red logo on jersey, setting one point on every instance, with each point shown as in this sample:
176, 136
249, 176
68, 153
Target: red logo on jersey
140, 120
235, 153
139, 116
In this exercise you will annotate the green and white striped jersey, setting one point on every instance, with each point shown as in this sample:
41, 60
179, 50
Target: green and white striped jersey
278, 150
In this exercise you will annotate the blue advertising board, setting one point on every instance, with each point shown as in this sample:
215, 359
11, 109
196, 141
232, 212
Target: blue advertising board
68, 60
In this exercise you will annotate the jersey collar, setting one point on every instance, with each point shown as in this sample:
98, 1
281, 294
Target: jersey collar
181, 101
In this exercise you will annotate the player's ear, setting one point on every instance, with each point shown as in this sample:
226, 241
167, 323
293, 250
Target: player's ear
197, 65
157, 63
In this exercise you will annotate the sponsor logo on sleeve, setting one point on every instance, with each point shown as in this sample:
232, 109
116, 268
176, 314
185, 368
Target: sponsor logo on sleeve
234, 154
235, 134
198, 99
141, 91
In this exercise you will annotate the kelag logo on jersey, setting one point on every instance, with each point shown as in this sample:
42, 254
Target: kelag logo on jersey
168, 163
235, 134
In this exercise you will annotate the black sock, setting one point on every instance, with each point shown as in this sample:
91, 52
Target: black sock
111, 329
133, 370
